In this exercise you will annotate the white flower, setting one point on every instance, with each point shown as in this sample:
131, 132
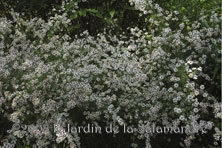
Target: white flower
182, 118
202, 87
177, 110
196, 92
190, 62
181, 26
195, 110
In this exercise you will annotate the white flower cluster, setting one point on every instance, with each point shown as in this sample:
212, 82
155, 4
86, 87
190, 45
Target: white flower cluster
44, 78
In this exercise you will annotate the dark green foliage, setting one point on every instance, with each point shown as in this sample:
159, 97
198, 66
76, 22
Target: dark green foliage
30, 8
95, 16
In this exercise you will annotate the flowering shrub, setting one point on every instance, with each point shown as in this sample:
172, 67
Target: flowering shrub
156, 77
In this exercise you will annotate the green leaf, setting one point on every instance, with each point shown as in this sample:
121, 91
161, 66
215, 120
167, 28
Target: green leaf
92, 10
215, 72
206, 23
73, 16
112, 13
82, 12
70, 28
128, 7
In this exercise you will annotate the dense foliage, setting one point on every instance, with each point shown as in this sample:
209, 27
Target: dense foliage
133, 63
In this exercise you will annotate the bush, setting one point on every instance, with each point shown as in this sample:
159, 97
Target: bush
161, 75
